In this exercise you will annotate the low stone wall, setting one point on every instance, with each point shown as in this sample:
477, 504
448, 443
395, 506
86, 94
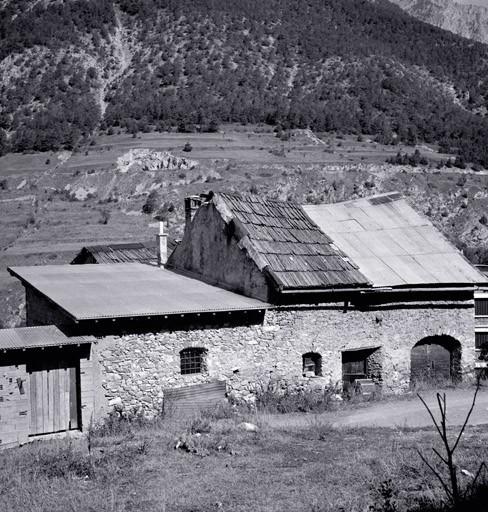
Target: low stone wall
137, 368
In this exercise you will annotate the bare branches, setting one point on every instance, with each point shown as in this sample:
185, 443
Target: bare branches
451, 487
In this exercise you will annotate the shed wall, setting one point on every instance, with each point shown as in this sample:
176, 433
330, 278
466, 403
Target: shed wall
14, 405
137, 368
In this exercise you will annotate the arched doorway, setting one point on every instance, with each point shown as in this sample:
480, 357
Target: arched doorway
436, 358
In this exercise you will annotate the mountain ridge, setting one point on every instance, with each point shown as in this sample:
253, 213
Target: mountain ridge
466, 20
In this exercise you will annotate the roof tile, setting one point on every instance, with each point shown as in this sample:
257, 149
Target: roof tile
298, 252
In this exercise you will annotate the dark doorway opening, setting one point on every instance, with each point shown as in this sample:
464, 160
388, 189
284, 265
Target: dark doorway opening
436, 359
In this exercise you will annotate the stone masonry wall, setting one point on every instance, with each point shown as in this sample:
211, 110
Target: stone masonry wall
218, 258
137, 368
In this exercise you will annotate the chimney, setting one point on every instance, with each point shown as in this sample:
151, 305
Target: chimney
192, 203
162, 245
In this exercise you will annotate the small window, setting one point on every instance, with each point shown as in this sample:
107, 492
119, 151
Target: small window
312, 363
192, 360
481, 307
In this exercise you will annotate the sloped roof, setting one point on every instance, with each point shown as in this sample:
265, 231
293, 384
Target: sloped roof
144, 252
284, 242
36, 337
127, 290
392, 244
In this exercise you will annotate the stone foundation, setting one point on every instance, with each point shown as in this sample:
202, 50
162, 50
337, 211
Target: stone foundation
136, 369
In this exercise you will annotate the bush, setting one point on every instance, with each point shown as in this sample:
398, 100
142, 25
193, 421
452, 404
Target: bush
152, 202
284, 402
104, 216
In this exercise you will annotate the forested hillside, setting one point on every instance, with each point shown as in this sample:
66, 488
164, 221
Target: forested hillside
349, 66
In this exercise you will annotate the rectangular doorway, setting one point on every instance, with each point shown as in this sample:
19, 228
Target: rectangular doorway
54, 395
361, 363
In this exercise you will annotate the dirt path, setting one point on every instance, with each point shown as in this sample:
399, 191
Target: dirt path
402, 412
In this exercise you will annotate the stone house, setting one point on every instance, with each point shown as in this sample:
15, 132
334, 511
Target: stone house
262, 294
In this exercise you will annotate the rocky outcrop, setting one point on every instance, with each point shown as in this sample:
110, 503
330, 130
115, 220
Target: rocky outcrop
148, 160
470, 21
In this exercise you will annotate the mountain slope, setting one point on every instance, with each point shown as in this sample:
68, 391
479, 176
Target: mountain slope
470, 21
347, 66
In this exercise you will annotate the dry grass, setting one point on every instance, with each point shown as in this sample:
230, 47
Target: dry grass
133, 465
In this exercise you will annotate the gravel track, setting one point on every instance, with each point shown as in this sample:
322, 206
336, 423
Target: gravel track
407, 411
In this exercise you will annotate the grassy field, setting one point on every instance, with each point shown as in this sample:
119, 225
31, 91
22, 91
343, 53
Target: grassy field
219, 466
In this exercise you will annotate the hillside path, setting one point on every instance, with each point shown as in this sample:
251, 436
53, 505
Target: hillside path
407, 411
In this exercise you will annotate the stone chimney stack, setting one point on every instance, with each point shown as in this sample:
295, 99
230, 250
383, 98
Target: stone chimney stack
192, 203
162, 245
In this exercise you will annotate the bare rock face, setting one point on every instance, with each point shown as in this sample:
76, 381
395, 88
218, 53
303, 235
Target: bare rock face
148, 160
470, 21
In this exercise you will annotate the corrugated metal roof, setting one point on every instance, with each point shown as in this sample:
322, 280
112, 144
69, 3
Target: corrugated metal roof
128, 289
143, 252
298, 254
36, 337
392, 244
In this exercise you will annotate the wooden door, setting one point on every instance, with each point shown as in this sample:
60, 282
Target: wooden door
54, 401
430, 361
354, 365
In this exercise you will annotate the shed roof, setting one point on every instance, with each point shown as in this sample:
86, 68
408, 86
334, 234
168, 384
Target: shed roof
37, 337
143, 252
282, 239
392, 244
128, 290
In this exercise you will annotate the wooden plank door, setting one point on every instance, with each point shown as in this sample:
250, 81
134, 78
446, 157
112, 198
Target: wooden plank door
430, 361
353, 365
53, 396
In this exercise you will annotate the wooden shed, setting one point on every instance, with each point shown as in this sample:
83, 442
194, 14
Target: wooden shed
46, 383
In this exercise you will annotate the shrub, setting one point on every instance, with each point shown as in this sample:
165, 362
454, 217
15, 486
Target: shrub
152, 202
283, 402
104, 216
462, 180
